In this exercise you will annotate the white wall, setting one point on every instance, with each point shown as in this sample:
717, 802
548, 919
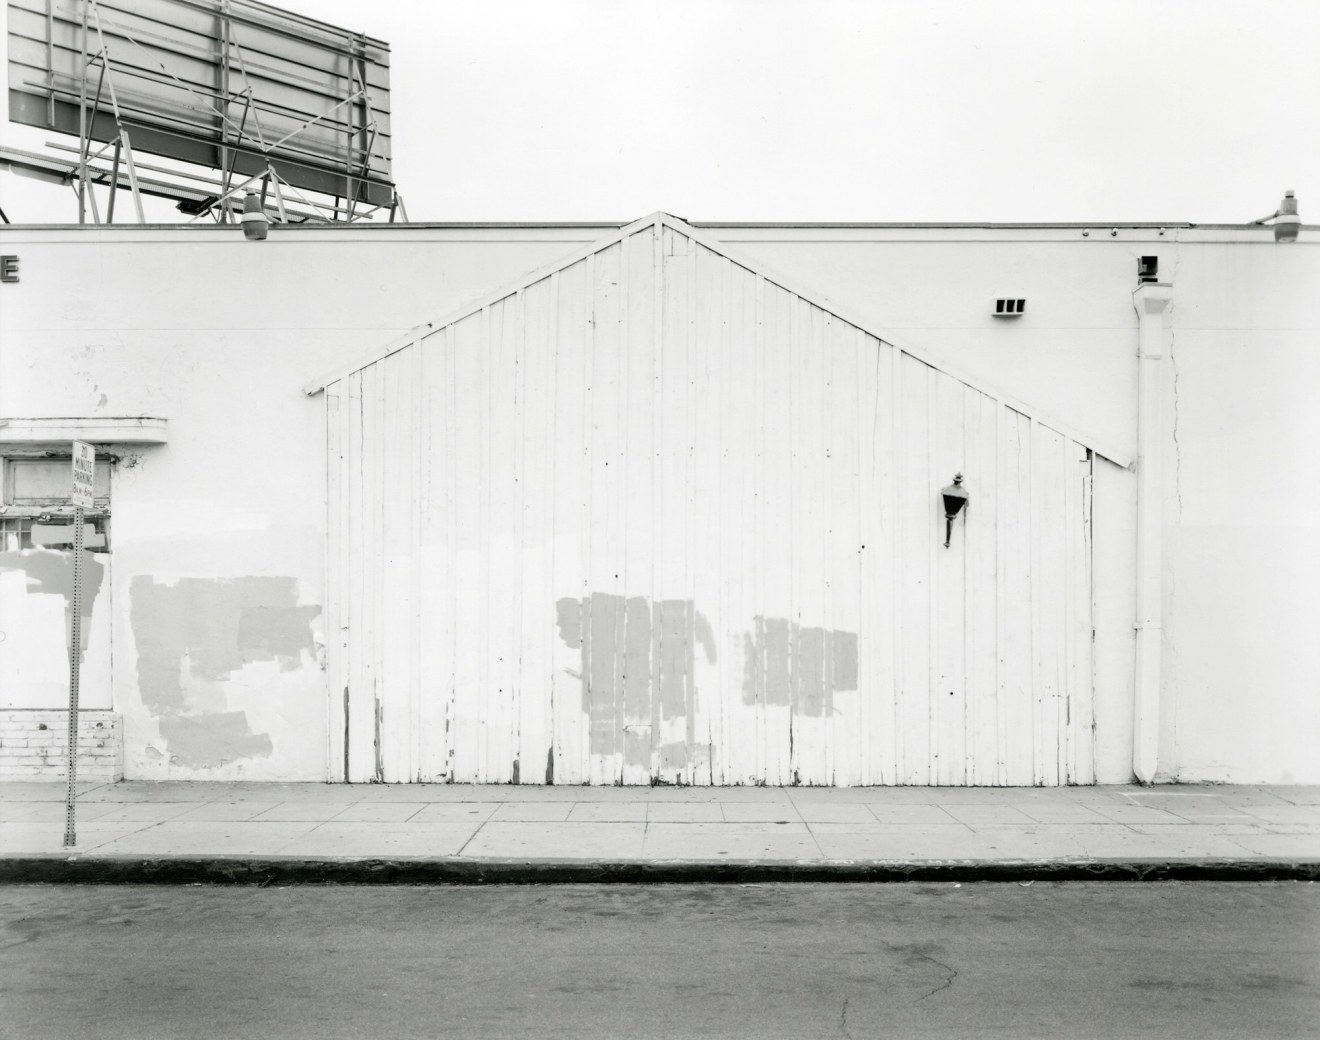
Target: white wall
1071, 353
218, 336
218, 535
36, 603
1241, 701
1241, 698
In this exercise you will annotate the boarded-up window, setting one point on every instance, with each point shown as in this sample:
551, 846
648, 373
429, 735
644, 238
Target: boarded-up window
47, 481
36, 491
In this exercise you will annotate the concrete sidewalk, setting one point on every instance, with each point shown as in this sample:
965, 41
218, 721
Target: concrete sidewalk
322, 832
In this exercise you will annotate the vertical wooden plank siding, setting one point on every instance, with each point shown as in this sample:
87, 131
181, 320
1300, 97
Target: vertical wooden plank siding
448, 622
1048, 505
396, 597
1081, 725
948, 606
652, 518
567, 564
336, 599
669, 648
846, 735
361, 681
433, 624
804, 420
535, 356
738, 550
918, 499
775, 536
879, 655
639, 498
1014, 590
377, 434
415, 458
470, 546
981, 530
708, 389
504, 473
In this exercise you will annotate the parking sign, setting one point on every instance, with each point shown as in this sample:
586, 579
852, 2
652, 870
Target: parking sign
84, 474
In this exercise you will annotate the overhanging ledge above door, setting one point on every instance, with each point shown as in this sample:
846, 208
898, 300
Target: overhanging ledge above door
137, 429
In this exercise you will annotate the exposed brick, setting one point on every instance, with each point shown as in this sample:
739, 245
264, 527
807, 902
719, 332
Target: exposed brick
33, 745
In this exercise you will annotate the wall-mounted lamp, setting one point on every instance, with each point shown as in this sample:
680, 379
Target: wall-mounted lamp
1286, 221
254, 220
955, 497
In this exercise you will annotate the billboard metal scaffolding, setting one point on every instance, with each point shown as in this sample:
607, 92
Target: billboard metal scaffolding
269, 102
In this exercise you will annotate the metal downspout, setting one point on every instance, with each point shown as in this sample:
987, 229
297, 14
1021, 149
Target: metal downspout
1152, 301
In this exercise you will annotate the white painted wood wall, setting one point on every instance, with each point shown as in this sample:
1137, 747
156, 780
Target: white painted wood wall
653, 517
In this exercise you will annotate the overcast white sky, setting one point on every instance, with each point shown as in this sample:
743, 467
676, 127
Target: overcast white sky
837, 110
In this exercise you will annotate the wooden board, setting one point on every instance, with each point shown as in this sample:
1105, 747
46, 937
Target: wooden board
652, 518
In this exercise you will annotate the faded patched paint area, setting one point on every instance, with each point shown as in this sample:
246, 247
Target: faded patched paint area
796, 665
568, 616
193, 635
208, 741
50, 572
638, 667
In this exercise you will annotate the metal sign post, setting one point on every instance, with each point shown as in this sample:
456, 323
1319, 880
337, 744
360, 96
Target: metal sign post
84, 489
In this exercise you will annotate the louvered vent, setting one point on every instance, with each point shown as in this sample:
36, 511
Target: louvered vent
1008, 308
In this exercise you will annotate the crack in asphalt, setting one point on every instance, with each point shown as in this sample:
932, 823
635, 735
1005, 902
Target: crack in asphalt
843, 1020
945, 984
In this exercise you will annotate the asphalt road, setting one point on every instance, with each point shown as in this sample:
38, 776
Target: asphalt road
1103, 959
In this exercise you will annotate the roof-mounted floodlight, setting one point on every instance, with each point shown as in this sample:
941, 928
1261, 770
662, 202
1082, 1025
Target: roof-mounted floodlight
1286, 221
254, 220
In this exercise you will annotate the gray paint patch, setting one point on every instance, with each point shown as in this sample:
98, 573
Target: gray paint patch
673, 756
637, 684
603, 641
637, 746
787, 664
51, 573
774, 634
638, 665
675, 652
844, 657
705, 637
216, 626
274, 630
808, 670
207, 741
568, 617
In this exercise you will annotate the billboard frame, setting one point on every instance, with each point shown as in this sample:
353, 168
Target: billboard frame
268, 100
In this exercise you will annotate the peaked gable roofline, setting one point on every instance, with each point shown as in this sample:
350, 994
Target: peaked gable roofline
736, 255
472, 306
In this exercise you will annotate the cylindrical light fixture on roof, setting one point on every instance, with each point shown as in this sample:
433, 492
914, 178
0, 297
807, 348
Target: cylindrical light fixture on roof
254, 220
1286, 222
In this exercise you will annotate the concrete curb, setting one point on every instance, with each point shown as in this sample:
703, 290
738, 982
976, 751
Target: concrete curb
222, 870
